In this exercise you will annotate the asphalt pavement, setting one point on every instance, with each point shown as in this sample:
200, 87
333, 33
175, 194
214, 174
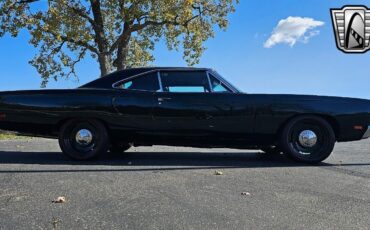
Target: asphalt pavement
177, 188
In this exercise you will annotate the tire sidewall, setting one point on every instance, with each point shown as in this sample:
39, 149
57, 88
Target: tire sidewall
101, 139
292, 153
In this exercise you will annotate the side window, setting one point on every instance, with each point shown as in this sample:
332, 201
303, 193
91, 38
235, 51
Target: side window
217, 85
185, 81
147, 82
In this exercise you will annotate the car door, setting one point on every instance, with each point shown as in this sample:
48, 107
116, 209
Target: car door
134, 102
238, 122
188, 108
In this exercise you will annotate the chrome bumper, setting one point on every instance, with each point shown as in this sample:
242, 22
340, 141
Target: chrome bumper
367, 133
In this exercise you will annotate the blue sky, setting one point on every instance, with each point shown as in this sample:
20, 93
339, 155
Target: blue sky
315, 67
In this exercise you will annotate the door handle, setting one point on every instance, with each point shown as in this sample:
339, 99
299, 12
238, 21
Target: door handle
162, 99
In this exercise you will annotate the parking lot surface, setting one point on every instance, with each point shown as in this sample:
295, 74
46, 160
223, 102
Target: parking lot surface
177, 188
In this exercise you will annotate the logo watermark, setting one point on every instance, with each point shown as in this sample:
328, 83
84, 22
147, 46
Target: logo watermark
352, 28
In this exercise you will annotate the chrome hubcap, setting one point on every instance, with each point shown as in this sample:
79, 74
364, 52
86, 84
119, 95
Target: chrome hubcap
84, 137
307, 138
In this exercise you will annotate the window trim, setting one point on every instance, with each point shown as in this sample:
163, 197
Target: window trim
209, 82
114, 85
222, 83
231, 87
158, 71
179, 70
160, 81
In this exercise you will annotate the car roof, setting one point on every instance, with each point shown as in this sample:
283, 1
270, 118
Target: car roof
107, 81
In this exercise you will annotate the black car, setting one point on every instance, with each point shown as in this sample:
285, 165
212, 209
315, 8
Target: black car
183, 107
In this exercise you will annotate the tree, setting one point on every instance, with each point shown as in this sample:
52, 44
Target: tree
118, 33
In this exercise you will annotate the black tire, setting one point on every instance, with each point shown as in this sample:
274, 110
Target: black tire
271, 150
118, 148
297, 139
75, 147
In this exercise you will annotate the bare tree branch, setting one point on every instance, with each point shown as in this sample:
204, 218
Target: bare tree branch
73, 64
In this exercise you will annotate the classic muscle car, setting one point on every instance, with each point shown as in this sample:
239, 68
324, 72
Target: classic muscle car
183, 107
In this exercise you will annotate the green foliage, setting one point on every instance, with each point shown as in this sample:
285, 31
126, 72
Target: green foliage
118, 33
11, 136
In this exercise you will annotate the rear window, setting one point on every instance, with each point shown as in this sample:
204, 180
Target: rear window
147, 82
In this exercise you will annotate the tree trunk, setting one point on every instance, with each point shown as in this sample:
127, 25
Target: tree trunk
100, 40
105, 64
122, 53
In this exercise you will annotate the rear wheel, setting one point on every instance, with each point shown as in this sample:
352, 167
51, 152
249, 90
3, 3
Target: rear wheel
308, 139
83, 139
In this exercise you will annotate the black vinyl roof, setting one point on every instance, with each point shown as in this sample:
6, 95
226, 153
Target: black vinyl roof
107, 81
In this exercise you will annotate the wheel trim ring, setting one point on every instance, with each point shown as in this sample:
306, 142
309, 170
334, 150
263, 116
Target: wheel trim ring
304, 151
81, 148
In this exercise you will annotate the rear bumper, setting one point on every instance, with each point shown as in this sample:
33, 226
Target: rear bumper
367, 133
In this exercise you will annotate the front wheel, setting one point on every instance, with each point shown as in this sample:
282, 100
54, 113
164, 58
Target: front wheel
83, 139
308, 139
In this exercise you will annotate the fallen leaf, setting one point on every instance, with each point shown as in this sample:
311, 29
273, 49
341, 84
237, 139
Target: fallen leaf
60, 200
219, 173
55, 223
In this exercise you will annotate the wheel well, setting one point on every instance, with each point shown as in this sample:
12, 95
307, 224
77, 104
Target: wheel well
63, 121
331, 120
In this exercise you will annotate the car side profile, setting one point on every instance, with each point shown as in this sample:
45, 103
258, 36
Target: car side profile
192, 107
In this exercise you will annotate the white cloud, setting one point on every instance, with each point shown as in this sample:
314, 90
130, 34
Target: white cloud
293, 29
